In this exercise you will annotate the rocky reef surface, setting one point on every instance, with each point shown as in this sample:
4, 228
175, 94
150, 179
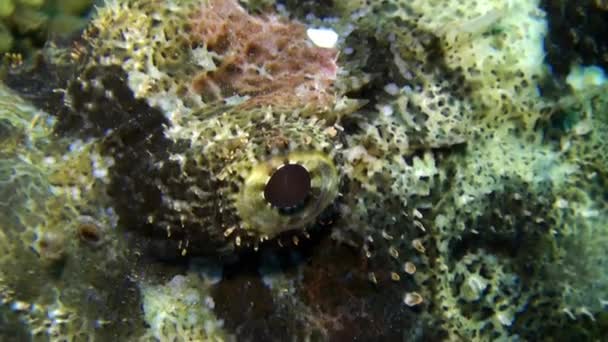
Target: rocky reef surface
214, 170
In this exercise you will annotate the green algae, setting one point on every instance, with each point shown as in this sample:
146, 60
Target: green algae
25, 25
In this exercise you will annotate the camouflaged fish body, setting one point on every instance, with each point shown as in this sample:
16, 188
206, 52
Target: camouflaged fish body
239, 181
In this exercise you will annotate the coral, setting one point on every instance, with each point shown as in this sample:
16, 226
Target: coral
181, 310
479, 297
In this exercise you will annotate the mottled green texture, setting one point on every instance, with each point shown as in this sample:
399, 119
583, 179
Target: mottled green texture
52, 274
6, 39
181, 309
25, 25
6, 8
431, 149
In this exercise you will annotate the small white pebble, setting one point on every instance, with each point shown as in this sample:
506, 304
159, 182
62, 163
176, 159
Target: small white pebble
504, 319
57, 313
209, 302
561, 203
49, 160
76, 146
75, 192
391, 89
100, 173
20, 306
323, 37
386, 110
590, 213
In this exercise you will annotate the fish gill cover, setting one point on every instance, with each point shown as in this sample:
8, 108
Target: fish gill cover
194, 170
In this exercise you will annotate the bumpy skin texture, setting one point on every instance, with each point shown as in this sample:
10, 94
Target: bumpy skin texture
576, 34
448, 200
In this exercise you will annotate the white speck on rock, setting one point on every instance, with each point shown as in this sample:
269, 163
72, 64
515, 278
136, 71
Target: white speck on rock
391, 89
209, 302
386, 110
323, 37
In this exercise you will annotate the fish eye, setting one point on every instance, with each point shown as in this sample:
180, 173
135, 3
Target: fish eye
288, 188
287, 193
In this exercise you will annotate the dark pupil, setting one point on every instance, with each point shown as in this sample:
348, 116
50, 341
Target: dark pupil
288, 187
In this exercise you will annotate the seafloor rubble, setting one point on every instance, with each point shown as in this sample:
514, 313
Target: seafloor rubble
195, 170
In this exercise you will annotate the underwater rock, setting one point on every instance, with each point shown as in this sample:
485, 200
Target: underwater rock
241, 183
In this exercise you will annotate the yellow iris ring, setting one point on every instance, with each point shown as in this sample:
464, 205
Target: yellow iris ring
259, 217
